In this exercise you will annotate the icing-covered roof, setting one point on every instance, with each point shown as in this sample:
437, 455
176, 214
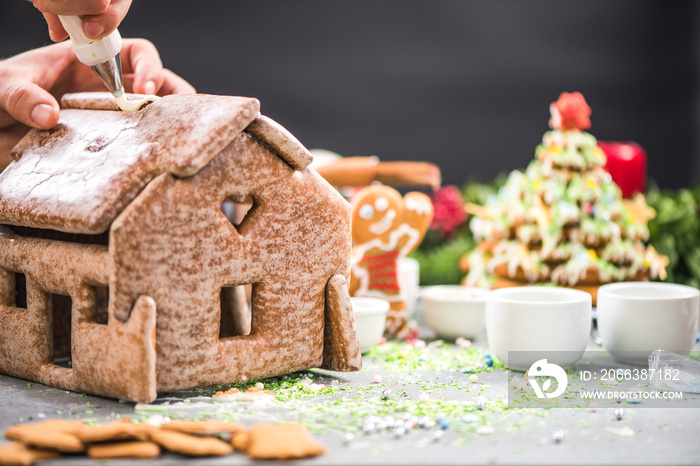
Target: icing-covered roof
78, 176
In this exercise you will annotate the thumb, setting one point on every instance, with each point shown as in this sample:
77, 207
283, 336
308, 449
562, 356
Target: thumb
28, 103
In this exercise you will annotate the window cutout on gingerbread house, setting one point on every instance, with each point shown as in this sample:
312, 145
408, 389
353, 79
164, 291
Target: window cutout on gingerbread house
235, 312
236, 212
101, 304
61, 307
20, 290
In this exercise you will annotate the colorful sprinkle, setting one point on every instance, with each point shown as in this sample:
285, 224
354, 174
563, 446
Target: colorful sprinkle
558, 436
463, 342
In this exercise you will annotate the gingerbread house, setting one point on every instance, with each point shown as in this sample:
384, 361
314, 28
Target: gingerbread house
120, 274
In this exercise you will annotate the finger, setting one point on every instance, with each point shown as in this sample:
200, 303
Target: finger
174, 84
140, 57
72, 7
56, 30
103, 24
28, 103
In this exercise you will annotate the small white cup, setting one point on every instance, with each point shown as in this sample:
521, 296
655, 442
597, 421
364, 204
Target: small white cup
409, 279
636, 318
370, 319
454, 311
536, 322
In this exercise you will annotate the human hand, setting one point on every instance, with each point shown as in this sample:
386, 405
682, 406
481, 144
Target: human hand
32, 83
100, 17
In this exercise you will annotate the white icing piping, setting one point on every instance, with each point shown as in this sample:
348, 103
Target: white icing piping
384, 224
127, 105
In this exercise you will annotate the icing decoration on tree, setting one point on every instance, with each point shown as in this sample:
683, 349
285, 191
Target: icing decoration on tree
639, 210
569, 112
658, 261
385, 228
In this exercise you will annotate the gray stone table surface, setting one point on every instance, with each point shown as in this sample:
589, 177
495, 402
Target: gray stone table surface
458, 404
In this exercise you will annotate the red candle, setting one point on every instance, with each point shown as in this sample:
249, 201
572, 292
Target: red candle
627, 164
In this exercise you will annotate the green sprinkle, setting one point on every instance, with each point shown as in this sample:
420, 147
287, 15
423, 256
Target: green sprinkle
155, 408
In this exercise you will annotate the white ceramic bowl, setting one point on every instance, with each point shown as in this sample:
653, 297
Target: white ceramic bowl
537, 322
636, 318
370, 318
453, 311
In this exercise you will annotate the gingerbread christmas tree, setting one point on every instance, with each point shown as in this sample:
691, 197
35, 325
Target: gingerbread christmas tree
563, 219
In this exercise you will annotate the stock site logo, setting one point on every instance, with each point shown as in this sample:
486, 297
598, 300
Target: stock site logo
545, 369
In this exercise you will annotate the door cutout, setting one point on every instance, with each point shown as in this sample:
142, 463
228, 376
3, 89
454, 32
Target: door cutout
61, 310
101, 304
20, 290
235, 312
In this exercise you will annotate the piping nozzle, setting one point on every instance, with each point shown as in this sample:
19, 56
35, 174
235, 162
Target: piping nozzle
110, 73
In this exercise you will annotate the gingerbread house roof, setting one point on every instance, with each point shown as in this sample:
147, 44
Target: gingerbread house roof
78, 176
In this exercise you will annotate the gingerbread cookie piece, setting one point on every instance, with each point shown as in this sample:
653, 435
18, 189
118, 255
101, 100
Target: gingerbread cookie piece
16, 454
280, 442
240, 441
204, 427
139, 450
56, 435
514, 261
114, 431
586, 268
190, 445
520, 272
385, 228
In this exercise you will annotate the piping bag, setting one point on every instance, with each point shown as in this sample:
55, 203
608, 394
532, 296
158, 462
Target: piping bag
102, 55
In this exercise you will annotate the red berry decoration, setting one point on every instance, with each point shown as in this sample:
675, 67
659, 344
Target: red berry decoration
449, 210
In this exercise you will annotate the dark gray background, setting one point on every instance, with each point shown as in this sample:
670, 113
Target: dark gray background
465, 84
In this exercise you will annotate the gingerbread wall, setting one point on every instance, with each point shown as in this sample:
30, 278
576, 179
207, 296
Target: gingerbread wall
174, 244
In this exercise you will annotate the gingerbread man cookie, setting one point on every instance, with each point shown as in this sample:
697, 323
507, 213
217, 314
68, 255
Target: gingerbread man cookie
385, 228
